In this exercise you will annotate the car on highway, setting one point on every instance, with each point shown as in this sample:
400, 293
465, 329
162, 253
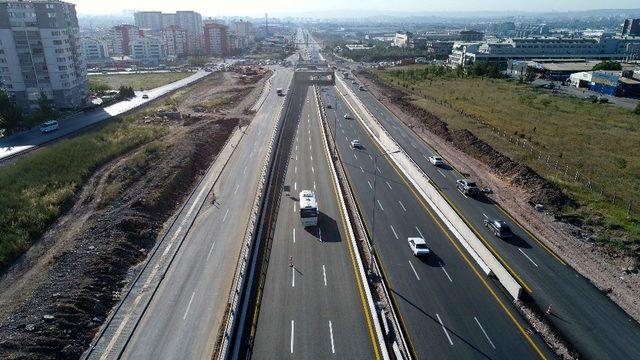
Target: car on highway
436, 160
348, 116
499, 228
355, 144
418, 246
329, 106
467, 187
49, 126
145, 96
361, 88
354, 82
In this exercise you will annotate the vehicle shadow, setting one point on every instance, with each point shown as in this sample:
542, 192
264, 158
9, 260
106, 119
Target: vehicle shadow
516, 240
432, 260
327, 229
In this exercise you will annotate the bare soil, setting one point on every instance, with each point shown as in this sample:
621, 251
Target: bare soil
516, 187
58, 294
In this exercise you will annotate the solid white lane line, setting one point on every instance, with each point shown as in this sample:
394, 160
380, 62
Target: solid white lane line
389, 185
292, 331
294, 235
225, 215
527, 256
445, 271
333, 349
394, 231
236, 190
370, 186
189, 306
414, 270
210, 250
402, 205
444, 329
484, 332
419, 232
441, 173
324, 275
293, 276
381, 208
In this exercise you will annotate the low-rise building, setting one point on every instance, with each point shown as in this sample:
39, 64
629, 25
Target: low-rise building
403, 39
148, 50
616, 83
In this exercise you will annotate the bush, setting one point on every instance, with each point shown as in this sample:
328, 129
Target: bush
126, 92
98, 86
608, 65
637, 110
10, 114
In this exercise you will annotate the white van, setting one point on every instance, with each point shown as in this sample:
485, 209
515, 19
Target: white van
49, 126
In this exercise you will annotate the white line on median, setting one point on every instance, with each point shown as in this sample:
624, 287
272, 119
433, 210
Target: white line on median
484, 332
394, 231
333, 349
379, 204
445, 271
210, 250
414, 270
292, 331
444, 329
401, 204
324, 275
188, 306
527, 256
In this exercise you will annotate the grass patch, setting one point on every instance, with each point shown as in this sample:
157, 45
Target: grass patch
136, 81
37, 189
598, 141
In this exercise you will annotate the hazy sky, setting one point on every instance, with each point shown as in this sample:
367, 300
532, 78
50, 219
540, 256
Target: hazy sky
279, 7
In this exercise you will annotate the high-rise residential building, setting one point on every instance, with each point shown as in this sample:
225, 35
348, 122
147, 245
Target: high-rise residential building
215, 39
176, 41
120, 38
95, 49
242, 28
148, 50
191, 22
631, 27
168, 20
152, 20
41, 52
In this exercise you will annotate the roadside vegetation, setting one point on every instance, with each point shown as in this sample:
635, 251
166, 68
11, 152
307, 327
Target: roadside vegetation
381, 51
37, 189
595, 144
105, 82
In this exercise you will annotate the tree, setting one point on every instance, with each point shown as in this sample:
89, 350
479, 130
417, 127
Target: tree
608, 65
10, 114
637, 110
44, 104
126, 92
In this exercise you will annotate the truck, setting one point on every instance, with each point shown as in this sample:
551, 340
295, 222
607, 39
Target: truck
467, 187
279, 92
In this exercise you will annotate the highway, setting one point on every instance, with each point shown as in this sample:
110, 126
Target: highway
183, 317
591, 322
313, 310
448, 306
24, 141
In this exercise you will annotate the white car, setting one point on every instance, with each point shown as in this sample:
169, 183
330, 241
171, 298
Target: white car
347, 116
436, 160
49, 126
355, 144
418, 246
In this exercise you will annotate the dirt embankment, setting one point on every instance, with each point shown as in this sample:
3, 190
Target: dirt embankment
61, 291
517, 187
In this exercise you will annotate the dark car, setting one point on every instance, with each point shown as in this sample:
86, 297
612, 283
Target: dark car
467, 187
499, 228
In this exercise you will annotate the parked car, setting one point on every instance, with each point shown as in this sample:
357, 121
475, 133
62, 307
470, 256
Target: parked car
361, 88
49, 126
418, 246
145, 96
348, 116
499, 228
355, 144
329, 106
436, 160
467, 187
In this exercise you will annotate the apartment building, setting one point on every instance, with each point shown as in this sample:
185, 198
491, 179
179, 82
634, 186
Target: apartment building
403, 39
215, 39
631, 27
191, 22
176, 41
120, 37
148, 50
41, 52
151, 20
95, 49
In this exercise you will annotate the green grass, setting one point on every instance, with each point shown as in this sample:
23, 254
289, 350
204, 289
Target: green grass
38, 188
137, 81
600, 141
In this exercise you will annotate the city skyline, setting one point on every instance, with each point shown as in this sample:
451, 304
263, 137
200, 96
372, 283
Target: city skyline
293, 8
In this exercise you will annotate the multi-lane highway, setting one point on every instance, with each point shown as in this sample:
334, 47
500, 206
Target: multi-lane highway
313, 309
590, 321
24, 141
447, 304
183, 317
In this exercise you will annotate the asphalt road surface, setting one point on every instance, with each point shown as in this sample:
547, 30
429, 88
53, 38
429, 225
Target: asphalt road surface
24, 141
184, 316
596, 326
314, 309
447, 304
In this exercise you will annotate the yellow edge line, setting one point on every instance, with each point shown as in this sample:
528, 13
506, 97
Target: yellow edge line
495, 296
354, 266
